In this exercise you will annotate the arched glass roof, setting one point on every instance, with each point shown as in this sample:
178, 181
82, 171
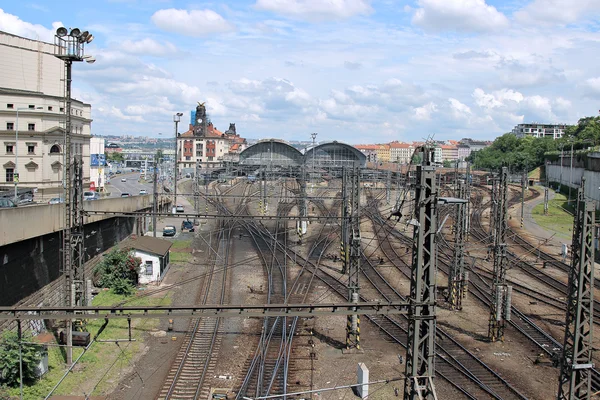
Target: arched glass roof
271, 151
334, 154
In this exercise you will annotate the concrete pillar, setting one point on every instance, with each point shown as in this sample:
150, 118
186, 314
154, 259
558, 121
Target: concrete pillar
363, 380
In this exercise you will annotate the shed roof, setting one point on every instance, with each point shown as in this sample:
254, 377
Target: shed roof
147, 244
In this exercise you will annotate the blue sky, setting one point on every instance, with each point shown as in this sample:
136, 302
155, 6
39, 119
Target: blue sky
360, 71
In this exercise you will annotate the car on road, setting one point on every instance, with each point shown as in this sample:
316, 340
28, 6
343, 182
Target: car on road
119, 172
6, 203
187, 225
179, 209
123, 179
143, 191
56, 200
169, 230
124, 194
91, 195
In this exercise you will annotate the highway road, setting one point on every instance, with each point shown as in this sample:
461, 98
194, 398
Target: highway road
131, 186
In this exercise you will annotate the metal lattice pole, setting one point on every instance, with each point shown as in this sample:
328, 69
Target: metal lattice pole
499, 289
155, 196
546, 189
420, 348
456, 273
576, 359
353, 231
523, 186
468, 180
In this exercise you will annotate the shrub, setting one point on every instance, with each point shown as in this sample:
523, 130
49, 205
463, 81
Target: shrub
31, 355
119, 271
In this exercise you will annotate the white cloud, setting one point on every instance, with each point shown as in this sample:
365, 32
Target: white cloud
558, 11
424, 113
316, 10
191, 23
148, 47
459, 15
115, 112
593, 86
15, 25
458, 109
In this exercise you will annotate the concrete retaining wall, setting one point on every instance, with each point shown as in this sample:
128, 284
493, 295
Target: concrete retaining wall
22, 223
592, 180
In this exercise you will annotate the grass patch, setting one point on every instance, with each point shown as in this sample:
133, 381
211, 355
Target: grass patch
104, 364
181, 244
177, 257
558, 220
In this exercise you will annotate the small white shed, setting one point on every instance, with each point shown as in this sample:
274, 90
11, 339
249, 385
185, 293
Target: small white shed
154, 253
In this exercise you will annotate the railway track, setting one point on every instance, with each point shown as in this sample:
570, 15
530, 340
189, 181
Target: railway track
196, 359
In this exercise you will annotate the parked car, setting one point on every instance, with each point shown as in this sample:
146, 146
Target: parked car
56, 200
119, 172
143, 191
124, 194
187, 225
6, 203
179, 208
91, 195
169, 230
123, 179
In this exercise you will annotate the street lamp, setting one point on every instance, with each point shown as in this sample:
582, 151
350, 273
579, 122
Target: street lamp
69, 47
15, 172
176, 119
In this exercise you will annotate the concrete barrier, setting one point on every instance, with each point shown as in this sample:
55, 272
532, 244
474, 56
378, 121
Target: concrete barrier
21, 223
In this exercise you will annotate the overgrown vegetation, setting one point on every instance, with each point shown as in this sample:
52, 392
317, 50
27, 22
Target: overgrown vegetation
31, 354
528, 152
119, 271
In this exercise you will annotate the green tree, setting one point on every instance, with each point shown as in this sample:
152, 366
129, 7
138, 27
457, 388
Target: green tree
119, 271
417, 158
31, 354
448, 164
115, 157
159, 155
515, 153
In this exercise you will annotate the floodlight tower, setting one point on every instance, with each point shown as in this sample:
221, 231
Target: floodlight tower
69, 47
176, 119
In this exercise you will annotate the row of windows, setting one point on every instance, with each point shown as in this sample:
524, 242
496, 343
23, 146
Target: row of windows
10, 126
55, 149
74, 111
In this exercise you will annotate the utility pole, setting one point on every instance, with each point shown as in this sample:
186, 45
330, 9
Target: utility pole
457, 269
154, 196
176, 119
353, 232
501, 293
388, 186
301, 225
576, 359
523, 184
546, 189
468, 180
420, 347
197, 190
571, 174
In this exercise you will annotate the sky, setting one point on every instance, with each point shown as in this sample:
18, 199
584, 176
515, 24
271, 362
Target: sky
358, 71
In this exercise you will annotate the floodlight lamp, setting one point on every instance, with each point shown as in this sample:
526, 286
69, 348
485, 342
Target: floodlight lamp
62, 31
89, 59
75, 32
89, 38
83, 36
180, 114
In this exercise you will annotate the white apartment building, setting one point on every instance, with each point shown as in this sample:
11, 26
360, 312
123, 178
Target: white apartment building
401, 152
554, 131
32, 87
